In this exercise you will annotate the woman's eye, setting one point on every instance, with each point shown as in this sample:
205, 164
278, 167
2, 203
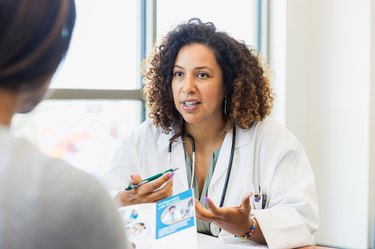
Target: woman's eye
178, 74
202, 75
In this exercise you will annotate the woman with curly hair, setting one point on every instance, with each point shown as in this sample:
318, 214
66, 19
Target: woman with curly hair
208, 98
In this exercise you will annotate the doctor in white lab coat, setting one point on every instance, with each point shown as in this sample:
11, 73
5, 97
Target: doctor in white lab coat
214, 84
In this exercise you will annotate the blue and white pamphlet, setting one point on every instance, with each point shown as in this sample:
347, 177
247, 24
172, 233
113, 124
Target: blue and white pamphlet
169, 223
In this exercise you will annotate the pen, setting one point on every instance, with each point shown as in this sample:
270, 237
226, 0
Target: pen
151, 178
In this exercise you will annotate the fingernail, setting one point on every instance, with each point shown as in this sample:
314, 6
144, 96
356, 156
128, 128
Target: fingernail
132, 177
170, 175
206, 199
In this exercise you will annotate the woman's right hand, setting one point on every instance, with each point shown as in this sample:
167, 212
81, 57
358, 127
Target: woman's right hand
156, 190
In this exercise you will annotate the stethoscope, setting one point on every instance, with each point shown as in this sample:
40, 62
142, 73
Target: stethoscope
260, 199
230, 163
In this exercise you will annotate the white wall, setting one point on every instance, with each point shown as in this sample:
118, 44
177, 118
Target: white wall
277, 58
328, 106
372, 127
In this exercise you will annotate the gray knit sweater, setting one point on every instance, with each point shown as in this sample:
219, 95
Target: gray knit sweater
47, 204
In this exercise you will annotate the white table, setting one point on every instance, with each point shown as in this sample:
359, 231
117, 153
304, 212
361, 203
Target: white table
209, 242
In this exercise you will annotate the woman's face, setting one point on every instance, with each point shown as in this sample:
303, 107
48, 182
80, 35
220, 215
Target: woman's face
197, 85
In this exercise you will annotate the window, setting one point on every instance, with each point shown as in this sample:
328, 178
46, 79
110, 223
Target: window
95, 96
237, 17
83, 132
103, 51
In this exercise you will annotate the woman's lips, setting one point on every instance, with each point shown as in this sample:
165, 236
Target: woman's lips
190, 105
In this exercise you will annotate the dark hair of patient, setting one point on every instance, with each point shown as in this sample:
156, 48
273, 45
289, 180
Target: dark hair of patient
246, 85
34, 38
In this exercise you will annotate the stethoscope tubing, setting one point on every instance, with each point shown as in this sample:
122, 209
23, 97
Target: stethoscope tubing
257, 192
230, 163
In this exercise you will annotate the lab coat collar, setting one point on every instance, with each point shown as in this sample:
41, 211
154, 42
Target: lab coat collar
178, 156
242, 138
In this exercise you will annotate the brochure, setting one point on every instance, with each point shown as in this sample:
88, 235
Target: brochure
169, 223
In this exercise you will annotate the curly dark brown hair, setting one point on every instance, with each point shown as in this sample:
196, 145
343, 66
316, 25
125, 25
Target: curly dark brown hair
247, 87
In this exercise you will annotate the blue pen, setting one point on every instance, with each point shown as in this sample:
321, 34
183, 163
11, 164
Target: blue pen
151, 178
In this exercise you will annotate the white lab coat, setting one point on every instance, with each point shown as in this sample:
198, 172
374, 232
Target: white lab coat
291, 215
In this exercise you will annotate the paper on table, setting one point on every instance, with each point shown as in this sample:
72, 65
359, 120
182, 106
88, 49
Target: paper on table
210, 242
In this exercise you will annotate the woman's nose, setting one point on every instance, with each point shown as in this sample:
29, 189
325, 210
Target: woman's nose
189, 86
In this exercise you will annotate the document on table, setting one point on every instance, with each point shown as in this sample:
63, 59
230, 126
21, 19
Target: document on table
169, 223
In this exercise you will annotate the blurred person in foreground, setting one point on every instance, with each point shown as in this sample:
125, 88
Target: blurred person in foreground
44, 203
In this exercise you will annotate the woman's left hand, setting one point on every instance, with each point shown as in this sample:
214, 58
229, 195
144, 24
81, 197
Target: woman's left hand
235, 220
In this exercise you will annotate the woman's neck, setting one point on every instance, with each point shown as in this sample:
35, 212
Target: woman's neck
8, 106
207, 134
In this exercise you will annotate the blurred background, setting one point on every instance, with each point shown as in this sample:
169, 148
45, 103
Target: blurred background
322, 56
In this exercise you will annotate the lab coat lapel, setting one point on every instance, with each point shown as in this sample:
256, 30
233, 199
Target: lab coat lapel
220, 172
177, 161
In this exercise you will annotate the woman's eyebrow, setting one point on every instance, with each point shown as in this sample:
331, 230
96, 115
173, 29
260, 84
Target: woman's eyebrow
196, 68
199, 67
177, 66
204, 67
